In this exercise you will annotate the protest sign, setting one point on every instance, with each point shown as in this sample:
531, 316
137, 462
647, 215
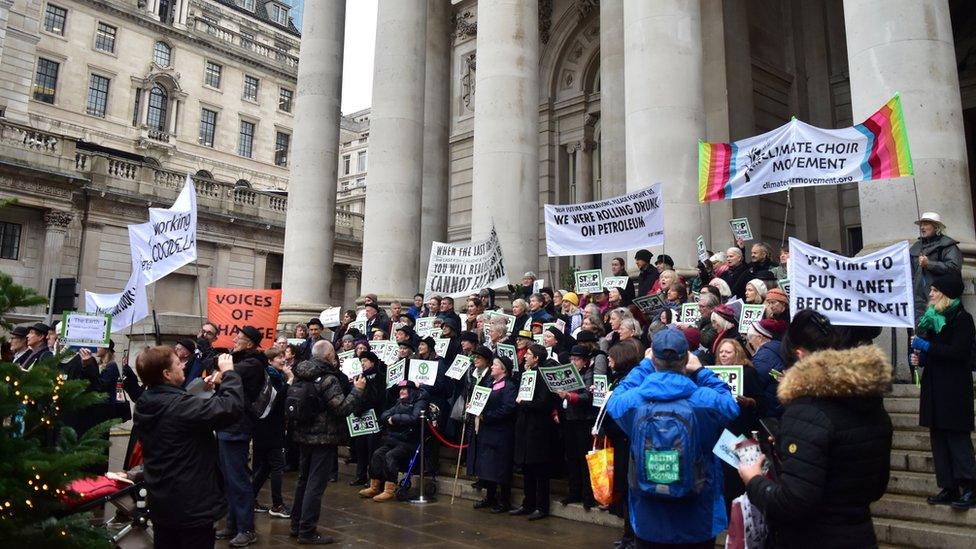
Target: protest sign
169, 240
385, 350
459, 367
561, 325
504, 349
395, 372
462, 270
538, 285
736, 306
732, 375
424, 326
351, 366
649, 304
231, 309
702, 250
359, 324
538, 338
800, 155
296, 341
784, 284
562, 378
85, 329
749, 315
615, 282
740, 228
126, 307
527, 386
345, 355
440, 346
690, 313
479, 397
601, 386
627, 222
422, 372
365, 424
330, 317
871, 290
589, 281
437, 333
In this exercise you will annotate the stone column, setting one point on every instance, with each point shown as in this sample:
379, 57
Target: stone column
260, 269
505, 190
310, 226
666, 119
613, 157
351, 291
583, 158
437, 106
884, 58
391, 240
56, 223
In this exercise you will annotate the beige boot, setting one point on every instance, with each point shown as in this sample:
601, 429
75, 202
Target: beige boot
374, 489
389, 492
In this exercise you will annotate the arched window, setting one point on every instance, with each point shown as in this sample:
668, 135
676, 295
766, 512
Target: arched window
162, 54
242, 185
158, 100
204, 174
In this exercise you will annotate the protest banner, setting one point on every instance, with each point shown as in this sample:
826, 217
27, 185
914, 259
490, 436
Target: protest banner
126, 307
504, 349
462, 270
871, 290
479, 397
459, 367
627, 222
330, 317
732, 375
527, 386
800, 155
230, 309
422, 372
365, 424
589, 281
440, 346
601, 386
564, 377
702, 250
351, 366
615, 282
690, 313
424, 326
750, 314
395, 373
85, 329
740, 228
169, 240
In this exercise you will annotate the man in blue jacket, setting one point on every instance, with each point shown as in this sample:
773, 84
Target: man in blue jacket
669, 373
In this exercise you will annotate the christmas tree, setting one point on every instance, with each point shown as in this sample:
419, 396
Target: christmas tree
39, 456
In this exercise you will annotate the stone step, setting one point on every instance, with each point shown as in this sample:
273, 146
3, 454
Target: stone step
901, 405
905, 422
904, 390
911, 483
913, 440
903, 533
912, 508
912, 460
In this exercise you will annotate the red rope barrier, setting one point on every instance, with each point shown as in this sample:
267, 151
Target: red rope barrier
443, 440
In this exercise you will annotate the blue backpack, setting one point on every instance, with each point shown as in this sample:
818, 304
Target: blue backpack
666, 458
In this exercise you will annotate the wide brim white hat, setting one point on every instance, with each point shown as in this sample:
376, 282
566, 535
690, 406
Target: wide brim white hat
931, 217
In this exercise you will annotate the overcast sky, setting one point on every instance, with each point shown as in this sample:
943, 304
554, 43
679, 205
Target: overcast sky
357, 67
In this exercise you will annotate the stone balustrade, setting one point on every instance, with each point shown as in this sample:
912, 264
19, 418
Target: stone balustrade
288, 61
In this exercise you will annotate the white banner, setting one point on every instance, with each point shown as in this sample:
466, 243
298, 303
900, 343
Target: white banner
872, 290
627, 222
169, 240
457, 271
126, 307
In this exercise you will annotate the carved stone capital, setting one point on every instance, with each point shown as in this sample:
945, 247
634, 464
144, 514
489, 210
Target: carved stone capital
354, 272
465, 25
57, 219
581, 145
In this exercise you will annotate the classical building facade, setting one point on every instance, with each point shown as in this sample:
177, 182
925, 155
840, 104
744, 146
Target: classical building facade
108, 104
483, 112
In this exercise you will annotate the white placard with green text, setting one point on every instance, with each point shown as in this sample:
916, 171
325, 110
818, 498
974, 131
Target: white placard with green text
732, 375
589, 282
479, 398
365, 424
85, 329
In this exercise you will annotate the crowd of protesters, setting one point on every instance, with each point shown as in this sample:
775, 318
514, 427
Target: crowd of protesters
811, 396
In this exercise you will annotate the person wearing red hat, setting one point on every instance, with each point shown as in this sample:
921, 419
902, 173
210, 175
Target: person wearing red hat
726, 326
777, 305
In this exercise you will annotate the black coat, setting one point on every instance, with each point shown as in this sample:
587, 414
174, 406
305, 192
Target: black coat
180, 452
535, 430
737, 277
491, 449
269, 433
947, 383
402, 420
646, 280
250, 365
834, 442
329, 425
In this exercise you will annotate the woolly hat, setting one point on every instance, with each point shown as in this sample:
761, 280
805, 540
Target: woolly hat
950, 284
726, 312
723, 287
572, 298
693, 335
768, 327
759, 286
470, 337
643, 255
370, 356
777, 294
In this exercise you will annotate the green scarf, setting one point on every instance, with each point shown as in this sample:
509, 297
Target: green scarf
933, 320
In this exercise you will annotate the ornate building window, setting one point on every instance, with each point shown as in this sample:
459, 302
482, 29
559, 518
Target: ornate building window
46, 80
212, 74
55, 18
97, 95
285, 98
282, 143
158, 100
251, 85
208, 127
245, 139
10, 240
105, 38
162, 54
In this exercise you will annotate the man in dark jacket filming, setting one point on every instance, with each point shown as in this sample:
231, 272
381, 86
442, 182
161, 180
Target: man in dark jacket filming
402, 422
176, 431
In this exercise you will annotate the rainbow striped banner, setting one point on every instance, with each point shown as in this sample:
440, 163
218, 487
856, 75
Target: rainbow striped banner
800, 155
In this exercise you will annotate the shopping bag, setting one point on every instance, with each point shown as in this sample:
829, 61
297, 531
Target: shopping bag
747, 526
600, 463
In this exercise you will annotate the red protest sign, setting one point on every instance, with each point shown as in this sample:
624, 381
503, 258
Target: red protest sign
233, 308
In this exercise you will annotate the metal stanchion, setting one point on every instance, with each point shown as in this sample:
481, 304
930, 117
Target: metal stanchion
421, 500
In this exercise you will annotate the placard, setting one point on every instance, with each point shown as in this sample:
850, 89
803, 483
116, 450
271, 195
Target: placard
297, 341
784, 284
564, 377
461, 270
330, 317
650, 304
424, 326
702, 250
615, 282
527, 386
345, 355
690, 313
440, 346
360, 325
85, 329
479, 398
395, 372
538, 285
750, 314
601, 390
539, 338
385, 350
589, 281
422, 372
504, 349
231, 309
459, 367
352, 367
627, 222
365, 424
740, 228
731, 375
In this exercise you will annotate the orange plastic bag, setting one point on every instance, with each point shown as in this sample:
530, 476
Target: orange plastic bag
600, 463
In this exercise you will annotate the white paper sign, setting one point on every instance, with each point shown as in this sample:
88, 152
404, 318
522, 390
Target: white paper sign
871, 290
740, 228
422, 372
126, 307
424, 326
627, 222
394, 373
732, 375
702, 250
352, 367
527, 386
440, 346
85, 329
169, 240
750, 314
538, 285
330, 317
725, 448
615, 282
459, 367
562, 378
462, 270
690, 313
601, 386
365, 424
589, 281
359, 325
479, 398
505, 349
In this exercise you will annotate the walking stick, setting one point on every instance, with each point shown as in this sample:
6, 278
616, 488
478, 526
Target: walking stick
457, 468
